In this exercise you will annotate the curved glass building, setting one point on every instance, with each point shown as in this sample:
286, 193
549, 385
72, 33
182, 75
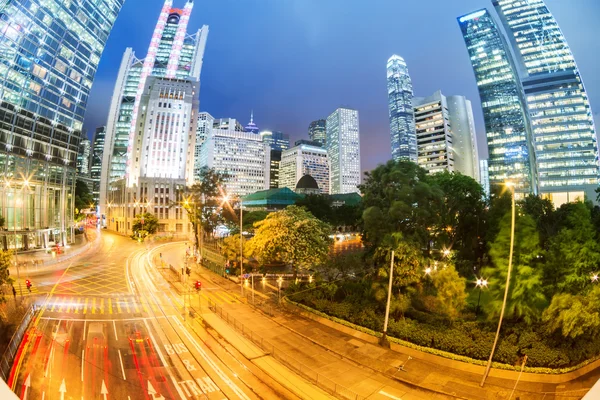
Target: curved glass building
49, 54
402, 117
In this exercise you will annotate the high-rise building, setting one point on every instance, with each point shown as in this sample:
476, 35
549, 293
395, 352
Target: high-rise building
242, 156
172, 54
508, 131
83, 156
402, 118
484, 177
317, 131
49, 54
275, 163
563, 128
228, 124
302, 160
276, 140
462, 123
96, 161
251, 127
343, 151
151, 129
203, 129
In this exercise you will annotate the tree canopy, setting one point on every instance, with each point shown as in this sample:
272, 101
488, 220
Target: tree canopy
144, 224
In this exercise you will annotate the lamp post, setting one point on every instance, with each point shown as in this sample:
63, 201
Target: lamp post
480, 283
279, 282
511, 186
383, 341
241, 243
19, 203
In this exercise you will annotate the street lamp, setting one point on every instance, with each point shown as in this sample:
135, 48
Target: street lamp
226, 200
511, 187
279, 282
18, 203
594, 277
480, 283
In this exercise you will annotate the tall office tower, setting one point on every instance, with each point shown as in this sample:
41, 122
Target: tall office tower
83, 155
276, 140
96, 161
251, 127
203, 129
49, 53
462, 123
317, 131
484, 177
301, 160
172, 54
228, 124
508, 131
243, 156
402, 118
563, 128
275, 164
343, 151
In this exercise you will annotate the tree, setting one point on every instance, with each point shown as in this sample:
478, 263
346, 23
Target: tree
83, 197
293, 236
542, 212
6, 261
319, 205
451, 297
342, 266
525, 298
231, 248
144, 224
574, 315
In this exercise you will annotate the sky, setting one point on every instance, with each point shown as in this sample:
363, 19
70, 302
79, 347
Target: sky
295, 61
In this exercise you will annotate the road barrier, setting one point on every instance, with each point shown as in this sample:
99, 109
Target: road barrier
314, 377
6, 362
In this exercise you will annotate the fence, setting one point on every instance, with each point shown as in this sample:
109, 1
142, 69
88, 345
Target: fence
7, 358
213, 261
312, 376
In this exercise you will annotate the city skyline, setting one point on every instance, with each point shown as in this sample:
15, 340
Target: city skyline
233, 89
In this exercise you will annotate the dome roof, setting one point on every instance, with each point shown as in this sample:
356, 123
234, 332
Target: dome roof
307, 182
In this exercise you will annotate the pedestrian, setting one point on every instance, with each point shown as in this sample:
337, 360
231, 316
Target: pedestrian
14, 292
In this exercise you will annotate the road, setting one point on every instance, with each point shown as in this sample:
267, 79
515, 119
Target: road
112, 328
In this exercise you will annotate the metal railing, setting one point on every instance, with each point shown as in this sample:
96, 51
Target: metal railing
6, 362
289, 361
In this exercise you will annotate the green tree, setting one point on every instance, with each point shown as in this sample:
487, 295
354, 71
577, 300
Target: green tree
319, 205
6, 261
342, 266
83, 198
574, 315
542, 212
451, 297
144, 224
231, 248
525, 298
293, 236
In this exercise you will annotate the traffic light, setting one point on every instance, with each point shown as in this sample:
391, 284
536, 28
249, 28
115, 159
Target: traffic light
198, 285
28, 284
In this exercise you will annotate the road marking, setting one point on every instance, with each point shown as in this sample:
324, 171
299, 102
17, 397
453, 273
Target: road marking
93, 305
61, 303
122, 369
389, 395
115, 327
126, 304
84, 324
68, 303
77, 304
118, 306
53, 306
82, 363
102, 305
86, 305
110, 305
145, 307
135, 306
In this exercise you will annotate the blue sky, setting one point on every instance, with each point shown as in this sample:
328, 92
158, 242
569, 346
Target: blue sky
294, 61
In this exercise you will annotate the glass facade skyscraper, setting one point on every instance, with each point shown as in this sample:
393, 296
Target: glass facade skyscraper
96, 161
343, 151
402, 117
317, 131
563, 128
511, 156
49, 54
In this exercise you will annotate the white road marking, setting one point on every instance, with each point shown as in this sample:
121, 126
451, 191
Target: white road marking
82, 363
115, 326
389, 395
122, 369
84, 325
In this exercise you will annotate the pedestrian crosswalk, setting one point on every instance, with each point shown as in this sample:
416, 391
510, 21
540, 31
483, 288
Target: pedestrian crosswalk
99, 305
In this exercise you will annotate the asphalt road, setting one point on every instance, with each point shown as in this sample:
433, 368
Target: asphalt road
112, 328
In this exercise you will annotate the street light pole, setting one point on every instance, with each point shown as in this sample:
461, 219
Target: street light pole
241, 246
510, 256
383, 341
18, 202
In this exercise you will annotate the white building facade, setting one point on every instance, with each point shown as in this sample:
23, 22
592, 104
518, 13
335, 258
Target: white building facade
203, 129
303, 160
343, 151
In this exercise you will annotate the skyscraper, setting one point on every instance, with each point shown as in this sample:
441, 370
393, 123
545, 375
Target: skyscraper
462, 123
83, 156
511, 155
563, 128
49, 54
343, 150
203, 129
96, 161
278, 142
172, 54
151, 128
402, 118
317, 131
304, 159
251, 127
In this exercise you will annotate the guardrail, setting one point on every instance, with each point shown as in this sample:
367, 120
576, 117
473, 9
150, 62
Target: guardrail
6, 361
314, 377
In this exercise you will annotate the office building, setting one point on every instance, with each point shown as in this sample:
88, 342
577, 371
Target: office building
402, 118
317, 131
49, 54
511, 153
96, 162
83, 156
343, 151
203, 129
228, 124
275, 164
276, 140
562, 124
172, 54
484, 177
462, 124
302, 160
151, 129
242, 156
